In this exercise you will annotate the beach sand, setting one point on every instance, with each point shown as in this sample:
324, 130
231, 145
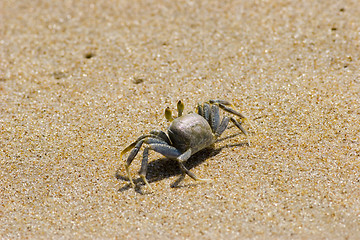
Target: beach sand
81, 80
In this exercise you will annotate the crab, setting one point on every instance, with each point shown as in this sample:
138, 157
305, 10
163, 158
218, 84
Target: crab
186, 135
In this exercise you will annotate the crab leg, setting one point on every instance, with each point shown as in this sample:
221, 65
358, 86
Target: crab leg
161, 135
184, 157
222, 127
165, 150
130, 158
239, 126
154, 134
143, 169
222, 104
218, 101
214, 117
206, 111
200, 110
135, 147
230, 110
173, 153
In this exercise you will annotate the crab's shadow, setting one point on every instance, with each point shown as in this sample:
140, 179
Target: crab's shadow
165, 168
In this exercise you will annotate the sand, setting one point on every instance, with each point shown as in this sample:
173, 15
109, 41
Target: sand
81, 80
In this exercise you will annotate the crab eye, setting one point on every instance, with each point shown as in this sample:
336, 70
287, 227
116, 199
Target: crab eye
180, 108
168, 114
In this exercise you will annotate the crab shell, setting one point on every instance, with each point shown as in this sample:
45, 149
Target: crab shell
191, 131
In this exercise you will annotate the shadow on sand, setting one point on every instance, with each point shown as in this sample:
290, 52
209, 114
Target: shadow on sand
164, 168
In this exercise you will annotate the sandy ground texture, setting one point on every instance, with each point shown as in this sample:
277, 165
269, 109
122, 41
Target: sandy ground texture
80, 80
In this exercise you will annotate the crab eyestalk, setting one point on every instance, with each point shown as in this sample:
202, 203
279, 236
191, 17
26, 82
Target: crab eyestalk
180, 108
168, 114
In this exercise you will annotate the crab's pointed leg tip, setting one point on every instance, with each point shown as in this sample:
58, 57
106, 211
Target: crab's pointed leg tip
204, 180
